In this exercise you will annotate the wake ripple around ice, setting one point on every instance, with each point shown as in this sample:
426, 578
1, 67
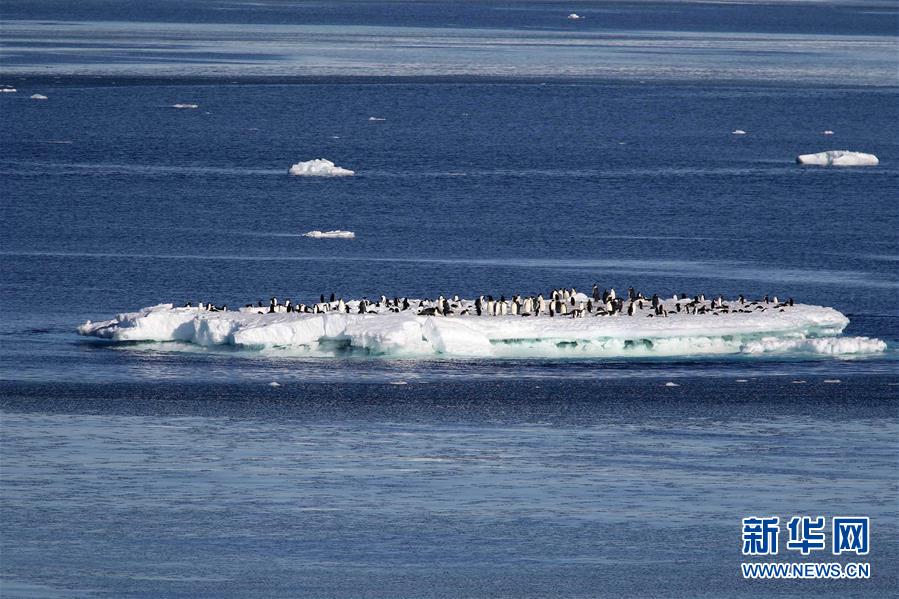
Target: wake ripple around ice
802, 330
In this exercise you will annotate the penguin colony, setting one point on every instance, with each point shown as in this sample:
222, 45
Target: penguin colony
559, 303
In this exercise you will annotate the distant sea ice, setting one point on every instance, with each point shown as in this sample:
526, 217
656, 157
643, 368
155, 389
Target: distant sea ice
319, 168
335, 234
838, 158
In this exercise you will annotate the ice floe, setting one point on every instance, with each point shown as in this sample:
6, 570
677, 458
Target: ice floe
7, 89
385, 328
827, 132
335, 234
574, 17
183, 105
38, 97
319, 168
738, 132
838, 158
376, 119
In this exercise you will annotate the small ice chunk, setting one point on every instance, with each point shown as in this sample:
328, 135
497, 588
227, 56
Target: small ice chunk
742, 380
274, 384
183, 105
738, 132
7, 89
827, 132
376, 119
671, 384
319, 168
838, 158
574, 17
833, 381
38, 97
798, 382
335, 234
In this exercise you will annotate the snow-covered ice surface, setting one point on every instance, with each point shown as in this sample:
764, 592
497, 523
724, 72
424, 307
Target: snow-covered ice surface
335, 234
800, 329
838, 158
319, 168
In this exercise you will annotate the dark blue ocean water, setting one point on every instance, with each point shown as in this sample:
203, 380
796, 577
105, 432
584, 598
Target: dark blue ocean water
524, 155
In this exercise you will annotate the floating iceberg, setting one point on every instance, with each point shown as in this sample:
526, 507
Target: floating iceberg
382, 329
838, 158
319, 168
185, 105
335, 234
38, 97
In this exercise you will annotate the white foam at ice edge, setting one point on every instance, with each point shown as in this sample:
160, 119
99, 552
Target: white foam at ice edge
803, 329
319, 168
838, 158
833, 346
335, 234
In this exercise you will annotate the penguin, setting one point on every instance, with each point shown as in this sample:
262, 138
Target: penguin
630, 309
